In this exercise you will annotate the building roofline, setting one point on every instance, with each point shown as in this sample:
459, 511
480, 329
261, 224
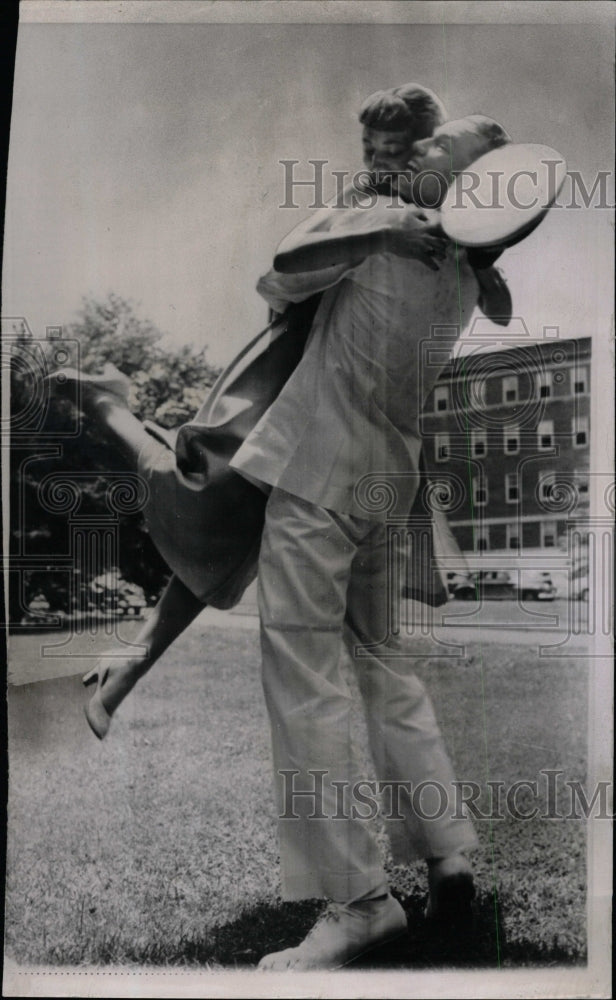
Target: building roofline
536, 349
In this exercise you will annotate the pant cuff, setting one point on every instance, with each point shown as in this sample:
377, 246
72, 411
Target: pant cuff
341, 887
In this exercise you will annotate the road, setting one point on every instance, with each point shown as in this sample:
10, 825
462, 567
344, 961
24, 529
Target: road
558, 628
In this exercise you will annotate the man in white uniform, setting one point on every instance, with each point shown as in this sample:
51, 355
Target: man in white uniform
349, 411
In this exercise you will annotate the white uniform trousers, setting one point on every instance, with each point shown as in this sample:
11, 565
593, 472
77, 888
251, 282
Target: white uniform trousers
324, 580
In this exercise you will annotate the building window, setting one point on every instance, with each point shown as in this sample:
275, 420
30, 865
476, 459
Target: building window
441, 398
480, 491
511, 440
548, 534
513, 536
545, 435
471, 393
580, 432
512, 489
544, 385
579, 381
547, 482
510, 389
441, 447
482, 539
479, 444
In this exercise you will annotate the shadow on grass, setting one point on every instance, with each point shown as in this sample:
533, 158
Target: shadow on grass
477, 942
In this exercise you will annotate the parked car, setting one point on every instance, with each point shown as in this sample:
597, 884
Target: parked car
39, 613
114, 597
579, 590
455, 580
131, 601
536, 585
578, 582
490, 585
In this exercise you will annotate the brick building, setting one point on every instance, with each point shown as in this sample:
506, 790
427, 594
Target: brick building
508, 439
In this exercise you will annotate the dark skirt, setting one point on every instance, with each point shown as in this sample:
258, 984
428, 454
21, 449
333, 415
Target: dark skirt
206, 520
208, 535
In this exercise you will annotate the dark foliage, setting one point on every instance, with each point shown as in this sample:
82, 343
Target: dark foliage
62, 467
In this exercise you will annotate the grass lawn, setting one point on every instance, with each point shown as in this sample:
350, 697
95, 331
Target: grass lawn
159, 844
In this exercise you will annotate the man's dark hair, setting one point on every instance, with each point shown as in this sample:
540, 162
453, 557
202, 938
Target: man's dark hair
411, 108
489, 130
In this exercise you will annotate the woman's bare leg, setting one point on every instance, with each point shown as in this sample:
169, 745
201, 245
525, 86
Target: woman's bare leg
176, 609
113, 416
103, 400
177, 606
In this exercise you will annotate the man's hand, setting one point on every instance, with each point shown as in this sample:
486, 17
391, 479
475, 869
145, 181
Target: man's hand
413, 234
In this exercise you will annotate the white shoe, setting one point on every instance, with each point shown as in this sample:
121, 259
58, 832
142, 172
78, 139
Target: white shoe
342, 933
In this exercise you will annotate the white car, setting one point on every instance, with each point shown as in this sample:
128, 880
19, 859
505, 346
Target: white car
536, 585
578, 583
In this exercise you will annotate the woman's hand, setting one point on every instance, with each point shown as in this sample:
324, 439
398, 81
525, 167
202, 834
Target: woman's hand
413, 234
347, 236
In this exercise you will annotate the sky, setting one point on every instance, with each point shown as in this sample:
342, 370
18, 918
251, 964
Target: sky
145, 159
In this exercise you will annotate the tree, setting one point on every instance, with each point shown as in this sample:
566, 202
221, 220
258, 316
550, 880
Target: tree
167, 385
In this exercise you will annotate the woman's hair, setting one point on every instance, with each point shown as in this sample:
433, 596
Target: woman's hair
489, 130
411, 108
